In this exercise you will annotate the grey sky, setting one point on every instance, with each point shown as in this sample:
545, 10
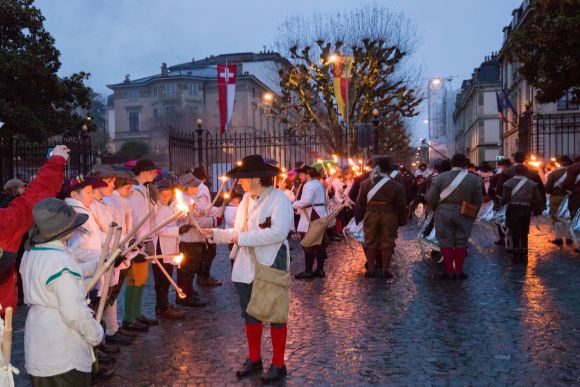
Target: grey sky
111, 38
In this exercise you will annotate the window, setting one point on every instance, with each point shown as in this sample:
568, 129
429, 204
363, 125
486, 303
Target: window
133, 95
170, 110
154, 92
192, 87
133, 121
171, 89
565, 103
155, 113
480, 98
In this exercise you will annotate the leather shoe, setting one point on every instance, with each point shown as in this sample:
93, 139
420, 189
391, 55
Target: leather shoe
304, 275
207, 282
119, 338
147, 321
500, 242
273, 374
461, 276
129, 334
249, 368
102, 374
319, 273
192, 303
445, 276
104, 358
387, 275
370, 274
135, 326
557, 242
108, 348
170, 313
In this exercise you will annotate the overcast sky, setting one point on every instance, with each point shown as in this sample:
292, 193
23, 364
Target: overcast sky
111, 38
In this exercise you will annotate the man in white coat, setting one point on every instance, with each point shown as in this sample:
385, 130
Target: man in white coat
262, 222
311, 205
60, 328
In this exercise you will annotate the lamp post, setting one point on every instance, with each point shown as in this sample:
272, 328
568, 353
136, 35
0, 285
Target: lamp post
199, 131
375, 121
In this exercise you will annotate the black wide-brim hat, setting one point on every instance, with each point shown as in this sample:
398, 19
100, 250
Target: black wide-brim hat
313, 172
253, 166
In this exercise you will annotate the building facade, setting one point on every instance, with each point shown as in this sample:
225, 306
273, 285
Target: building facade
437, 105
546, 130
145, 109
476, 119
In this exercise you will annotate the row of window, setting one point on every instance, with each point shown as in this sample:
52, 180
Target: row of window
170, 89
134, 117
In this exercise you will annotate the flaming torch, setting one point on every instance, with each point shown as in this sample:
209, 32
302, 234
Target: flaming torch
224, 180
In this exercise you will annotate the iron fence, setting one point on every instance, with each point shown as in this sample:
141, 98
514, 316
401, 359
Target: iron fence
219, 153
23, 159
550, 135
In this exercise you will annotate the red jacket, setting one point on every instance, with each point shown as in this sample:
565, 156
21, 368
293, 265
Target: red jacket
16, 219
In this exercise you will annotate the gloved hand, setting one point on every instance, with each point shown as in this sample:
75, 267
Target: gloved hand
138, 246
139, 258
62, 151
119, 260
185, 228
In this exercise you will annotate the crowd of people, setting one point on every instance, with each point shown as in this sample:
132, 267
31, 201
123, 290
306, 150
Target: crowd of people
106, 229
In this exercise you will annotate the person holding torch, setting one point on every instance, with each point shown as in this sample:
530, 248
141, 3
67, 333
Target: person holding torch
260, 242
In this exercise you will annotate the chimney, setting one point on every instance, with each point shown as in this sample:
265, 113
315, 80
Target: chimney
164, 71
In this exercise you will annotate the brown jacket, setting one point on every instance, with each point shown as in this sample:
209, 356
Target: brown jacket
390, 198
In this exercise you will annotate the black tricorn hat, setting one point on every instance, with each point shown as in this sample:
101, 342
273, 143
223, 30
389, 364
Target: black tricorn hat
253, 166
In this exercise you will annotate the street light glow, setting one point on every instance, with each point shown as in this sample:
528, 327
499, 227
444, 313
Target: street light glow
425, 121
268, 97
436, 82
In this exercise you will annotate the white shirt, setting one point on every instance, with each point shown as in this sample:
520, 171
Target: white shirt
201, 213
103, 213
85, 244
141, 204
122, 212
60, 328
168, 236
312, 193
272, 204
230, 215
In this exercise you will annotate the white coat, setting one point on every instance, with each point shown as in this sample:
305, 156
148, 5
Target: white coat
201, 213
60, 328
266, 242
312, 193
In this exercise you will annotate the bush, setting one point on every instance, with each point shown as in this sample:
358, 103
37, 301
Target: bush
133, 150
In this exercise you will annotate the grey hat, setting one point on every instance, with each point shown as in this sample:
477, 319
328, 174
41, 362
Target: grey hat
102, 171
53, 219
125, 177
13, 184
187, 180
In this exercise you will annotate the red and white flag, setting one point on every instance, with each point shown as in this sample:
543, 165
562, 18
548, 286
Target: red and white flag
227, 93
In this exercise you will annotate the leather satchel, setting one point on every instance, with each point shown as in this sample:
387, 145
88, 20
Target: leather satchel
469, 209
270, 300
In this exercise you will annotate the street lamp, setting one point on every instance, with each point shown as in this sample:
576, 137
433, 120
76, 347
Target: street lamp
199, 131
375, 121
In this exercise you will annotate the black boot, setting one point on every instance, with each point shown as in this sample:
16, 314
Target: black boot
249, 368
273, 374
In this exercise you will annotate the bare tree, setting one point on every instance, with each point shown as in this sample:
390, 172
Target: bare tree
381, 76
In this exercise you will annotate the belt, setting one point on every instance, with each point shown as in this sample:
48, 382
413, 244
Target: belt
316, 205
379, 203
520, 204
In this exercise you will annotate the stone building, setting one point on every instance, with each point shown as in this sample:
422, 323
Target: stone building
546, 130
476, 119
145, 109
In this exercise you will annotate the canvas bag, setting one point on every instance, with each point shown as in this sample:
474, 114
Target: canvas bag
270, 299
466, 209
317, 228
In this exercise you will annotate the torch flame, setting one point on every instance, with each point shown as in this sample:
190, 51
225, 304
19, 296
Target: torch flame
180, 205
224, 178
284, 176
226, 195
350, 162
332, 171
335, 158
239, 163
178, 259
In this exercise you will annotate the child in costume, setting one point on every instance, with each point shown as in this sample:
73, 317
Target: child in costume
60, 327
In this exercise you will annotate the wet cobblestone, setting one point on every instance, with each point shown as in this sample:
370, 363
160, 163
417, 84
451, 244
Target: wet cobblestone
508, 324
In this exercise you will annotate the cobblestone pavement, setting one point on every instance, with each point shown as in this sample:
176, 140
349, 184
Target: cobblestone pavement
508, 324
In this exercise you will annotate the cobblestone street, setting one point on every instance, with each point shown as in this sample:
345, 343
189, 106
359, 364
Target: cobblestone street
505, 325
